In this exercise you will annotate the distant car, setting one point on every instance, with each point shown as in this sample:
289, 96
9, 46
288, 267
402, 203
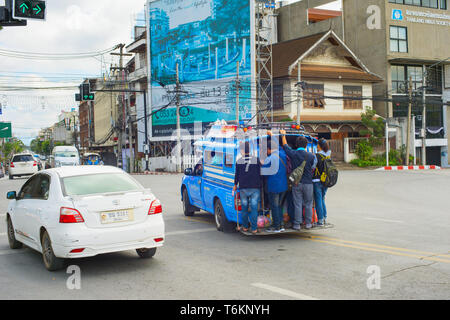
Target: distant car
23, 164
83, 211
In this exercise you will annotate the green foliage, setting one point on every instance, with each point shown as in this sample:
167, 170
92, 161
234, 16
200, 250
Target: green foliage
10, 148
376, 127
364, 150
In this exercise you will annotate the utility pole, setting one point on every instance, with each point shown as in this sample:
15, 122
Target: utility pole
178, 147
146, 146
408, 130
123, 123
238, 82
424, 116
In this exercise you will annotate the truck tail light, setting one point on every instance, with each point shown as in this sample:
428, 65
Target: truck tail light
69, 215
237, 202
34, 164
11, 165
155, 207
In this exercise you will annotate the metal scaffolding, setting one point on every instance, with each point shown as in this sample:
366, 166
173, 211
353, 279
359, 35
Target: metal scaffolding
264, 33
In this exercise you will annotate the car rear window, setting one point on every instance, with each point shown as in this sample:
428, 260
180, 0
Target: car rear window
99, 183
22, 158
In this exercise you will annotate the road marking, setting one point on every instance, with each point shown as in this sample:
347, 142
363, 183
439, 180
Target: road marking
8, 252
283, 292
385, 220
421, 255
190, 231
3, 234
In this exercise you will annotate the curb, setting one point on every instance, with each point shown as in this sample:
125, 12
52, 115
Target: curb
402, 168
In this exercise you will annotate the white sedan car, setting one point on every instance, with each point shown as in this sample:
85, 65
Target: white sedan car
83, 211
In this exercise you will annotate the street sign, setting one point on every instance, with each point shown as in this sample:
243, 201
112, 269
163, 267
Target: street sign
5, 130
29, 9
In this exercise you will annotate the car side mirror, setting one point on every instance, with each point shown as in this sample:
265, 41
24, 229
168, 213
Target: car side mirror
188, 172
12, 195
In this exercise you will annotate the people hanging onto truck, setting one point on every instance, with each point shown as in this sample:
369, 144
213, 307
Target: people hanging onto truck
303, 192
320, 190
248, 180
275, 169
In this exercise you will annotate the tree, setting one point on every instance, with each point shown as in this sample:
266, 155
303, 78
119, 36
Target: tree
375, 127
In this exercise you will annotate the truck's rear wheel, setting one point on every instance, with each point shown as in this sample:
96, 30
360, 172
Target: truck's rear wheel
222, 223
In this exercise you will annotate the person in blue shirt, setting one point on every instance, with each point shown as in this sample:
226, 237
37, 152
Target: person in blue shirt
275, 169
302, 193
319, 190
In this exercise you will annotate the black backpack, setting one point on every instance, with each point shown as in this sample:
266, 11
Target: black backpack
330, 173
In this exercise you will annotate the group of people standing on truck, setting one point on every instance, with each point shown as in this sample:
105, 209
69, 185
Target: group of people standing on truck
250, 172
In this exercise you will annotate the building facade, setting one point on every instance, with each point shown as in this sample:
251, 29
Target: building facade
398, 40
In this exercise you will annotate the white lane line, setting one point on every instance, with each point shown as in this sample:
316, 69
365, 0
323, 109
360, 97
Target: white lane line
8, 252
190, 231
284, 292
385, 220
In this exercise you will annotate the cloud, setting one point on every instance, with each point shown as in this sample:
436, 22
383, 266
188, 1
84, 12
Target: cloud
70, 27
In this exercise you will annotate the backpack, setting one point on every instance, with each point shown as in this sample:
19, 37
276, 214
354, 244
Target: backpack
296, 175
330, 173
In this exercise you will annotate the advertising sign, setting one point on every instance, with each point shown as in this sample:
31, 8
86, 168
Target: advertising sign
206, 39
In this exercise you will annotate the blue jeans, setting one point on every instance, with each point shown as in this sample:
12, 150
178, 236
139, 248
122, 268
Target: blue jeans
303, 197
319, 197
251, 196
275, 200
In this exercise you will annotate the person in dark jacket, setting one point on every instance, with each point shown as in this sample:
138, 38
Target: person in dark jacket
319, 190
248, 179
303, 192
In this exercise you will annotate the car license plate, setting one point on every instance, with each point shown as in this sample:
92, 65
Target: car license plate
116, 216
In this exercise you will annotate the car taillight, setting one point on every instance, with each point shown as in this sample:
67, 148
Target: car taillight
69, 215
34, 164
155, 207
11, 165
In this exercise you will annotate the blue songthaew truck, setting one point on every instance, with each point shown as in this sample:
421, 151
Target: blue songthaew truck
209, 185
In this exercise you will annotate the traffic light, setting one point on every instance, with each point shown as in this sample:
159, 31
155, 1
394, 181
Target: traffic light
29, 9
85, 93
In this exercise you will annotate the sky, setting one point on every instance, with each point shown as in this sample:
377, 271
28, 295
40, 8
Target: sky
71, 26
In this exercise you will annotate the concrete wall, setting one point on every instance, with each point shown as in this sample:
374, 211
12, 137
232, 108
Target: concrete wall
105, 105
293, 21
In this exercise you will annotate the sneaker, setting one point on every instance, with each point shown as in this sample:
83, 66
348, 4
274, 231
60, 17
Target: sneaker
296, 227
271, 230
282, 229
308, 226
320, 223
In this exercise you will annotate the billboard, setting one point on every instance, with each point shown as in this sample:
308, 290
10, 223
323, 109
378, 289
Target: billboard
207, 39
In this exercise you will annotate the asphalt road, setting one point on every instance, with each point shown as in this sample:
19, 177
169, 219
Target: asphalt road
394, 222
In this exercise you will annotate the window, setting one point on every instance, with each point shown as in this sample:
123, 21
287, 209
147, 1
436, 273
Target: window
399, 39
278, 99
22, 158
355, 95
99, 183
41, 187
27, 190
214, 158
423, 3
313, 96
400, 78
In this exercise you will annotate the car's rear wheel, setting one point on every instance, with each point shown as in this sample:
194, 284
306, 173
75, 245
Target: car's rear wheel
187, 207
146, 253
222, 223
51, 262
11, 177
13, 243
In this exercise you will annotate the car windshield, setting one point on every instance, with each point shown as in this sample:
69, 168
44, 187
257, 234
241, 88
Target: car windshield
99, 183
66, 154
23, 158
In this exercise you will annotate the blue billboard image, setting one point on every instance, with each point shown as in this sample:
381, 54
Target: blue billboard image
207, 39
